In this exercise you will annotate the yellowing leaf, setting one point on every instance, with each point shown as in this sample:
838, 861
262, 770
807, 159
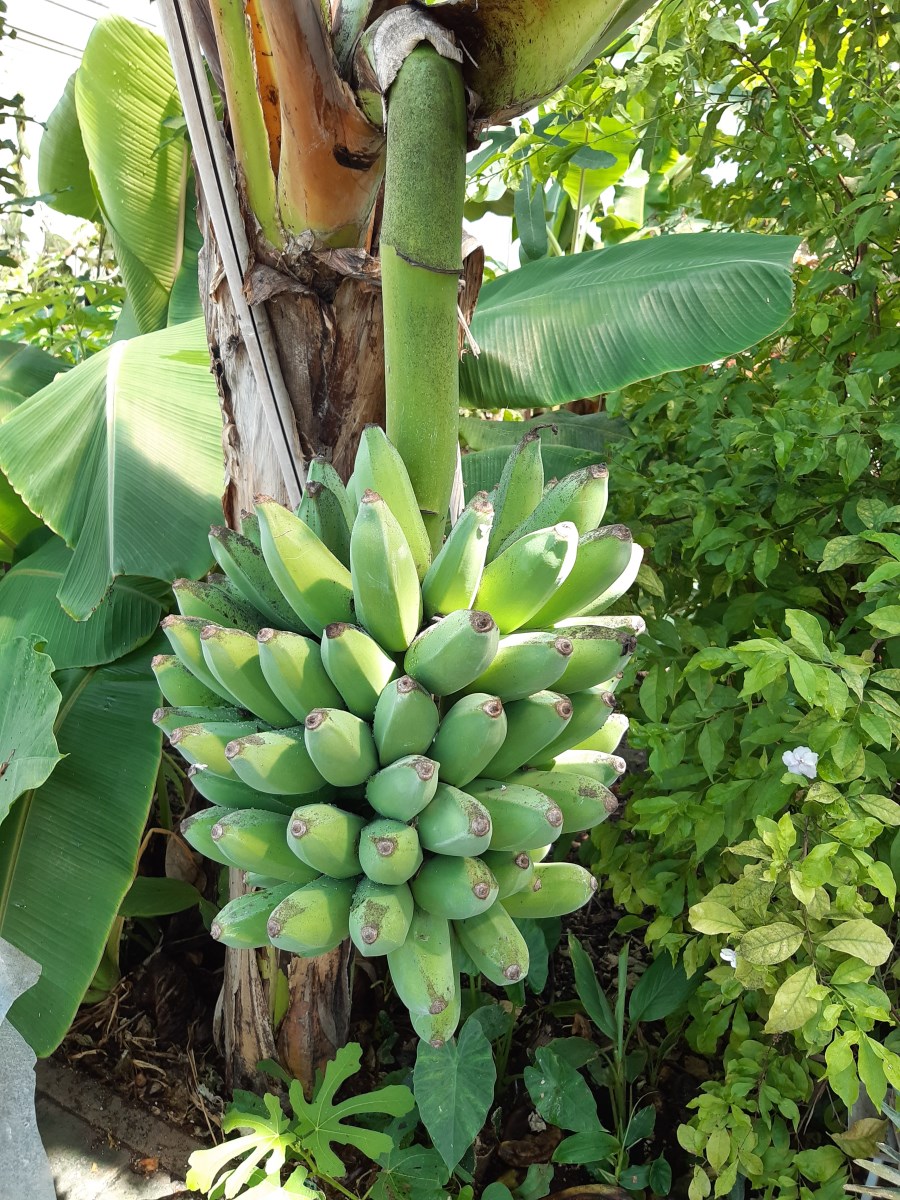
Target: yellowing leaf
861, 939
770, 944
793, 1004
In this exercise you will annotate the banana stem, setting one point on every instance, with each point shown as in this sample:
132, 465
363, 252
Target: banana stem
421, 258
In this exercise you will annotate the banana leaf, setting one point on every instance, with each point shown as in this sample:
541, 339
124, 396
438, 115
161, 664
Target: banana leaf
64, 174
481, 472
28, 751
598, 432
68, 850
562, 329
122, 458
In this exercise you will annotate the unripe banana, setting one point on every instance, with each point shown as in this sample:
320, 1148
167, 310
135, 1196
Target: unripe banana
520, 815
241, 924
254, 840
513, 870
603, 554
424, 974
205, 743
292, 667
454, 823
233, 658
321, 510
591, 709
495, 945
406, 720
389, 851
210, 602
170, 719
601, 647
386, 589
471, 733
603, 768
607, 738
314, 919
583, 801
447, 656
242, 561
254, 880
250, 528
321, 471
558, 888
453, 578
379, 468
519, 490
526, 663
357, 666
234, 793
315, 584
380, 917
341, 746
454, 887
196, 832
275, 761
179, 686
326, 838
520, 580
183, 634
437, 1030
616, 590
531, 724
580, 498
401, 790
539, 854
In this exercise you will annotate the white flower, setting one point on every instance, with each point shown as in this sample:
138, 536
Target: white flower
801, 761
729, 956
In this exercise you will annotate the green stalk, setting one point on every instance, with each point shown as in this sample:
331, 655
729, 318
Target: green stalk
421, 258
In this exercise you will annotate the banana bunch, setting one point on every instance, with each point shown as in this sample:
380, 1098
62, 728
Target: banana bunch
391, 743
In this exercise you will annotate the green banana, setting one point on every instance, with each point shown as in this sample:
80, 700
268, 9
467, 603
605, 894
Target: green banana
525, 663
531, 724
275, 761
241, 924
601, 767
583, 801
211, 602
315, 584
601, 647
401, 790
320, 470
389, 851
591, 709
523, 577
386, 588
170, 719
580, 498
616, 590
495, 945
314, 919
205, 743
607, 738
242, 561
183, 634
180, 686
603, 554
322, 511
454, 823
254, 840
558, 888
454, 887
406, 720
453, 578
379, 468
293, 669
234, 793
196, 832
380, 917
253, 879
513, 870
519, 490
424, 974
539, 853
448, 655
520, 815
326, 838
469, 736
341, 746
233, 658
357, 666
250, 529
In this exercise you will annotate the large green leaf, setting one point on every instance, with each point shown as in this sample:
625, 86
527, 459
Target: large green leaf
64, 175
124, 91
125, 618
122, 458
588, 431
68, 850
564, 328
28, 750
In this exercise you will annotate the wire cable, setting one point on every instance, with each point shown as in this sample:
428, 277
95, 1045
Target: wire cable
26, 41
